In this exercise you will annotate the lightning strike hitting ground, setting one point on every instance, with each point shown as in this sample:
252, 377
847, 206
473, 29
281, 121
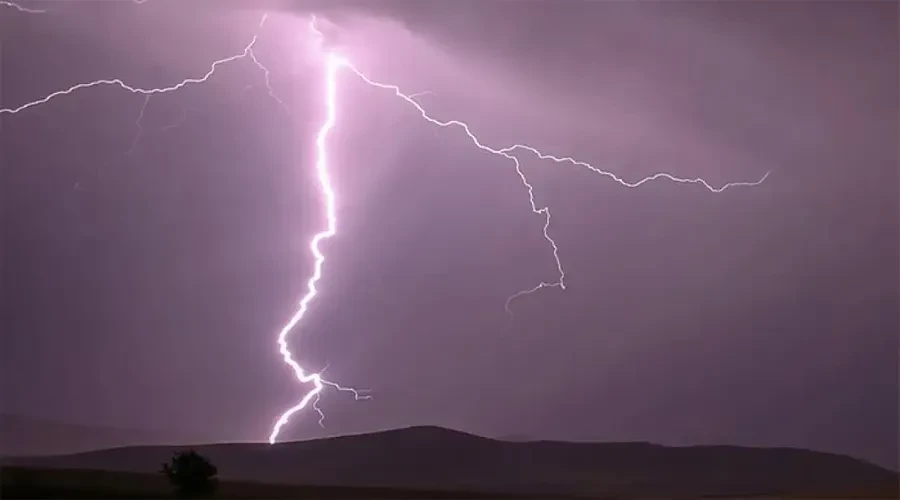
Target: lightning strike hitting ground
333, 63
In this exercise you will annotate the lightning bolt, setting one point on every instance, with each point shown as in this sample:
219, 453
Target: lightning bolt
333, 64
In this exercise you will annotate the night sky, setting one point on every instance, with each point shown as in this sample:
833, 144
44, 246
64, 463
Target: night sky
144, 287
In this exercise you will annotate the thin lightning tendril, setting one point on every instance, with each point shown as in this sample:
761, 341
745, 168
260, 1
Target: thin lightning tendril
181, 119
333, 64
19, 8
139, 123
268, 77
139, 90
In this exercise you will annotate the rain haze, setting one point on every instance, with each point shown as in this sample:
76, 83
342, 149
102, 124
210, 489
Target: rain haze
151, 254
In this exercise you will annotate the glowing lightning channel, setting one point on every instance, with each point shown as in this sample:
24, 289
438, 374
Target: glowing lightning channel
333, 64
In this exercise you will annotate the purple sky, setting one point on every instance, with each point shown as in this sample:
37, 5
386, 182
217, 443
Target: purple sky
146, 289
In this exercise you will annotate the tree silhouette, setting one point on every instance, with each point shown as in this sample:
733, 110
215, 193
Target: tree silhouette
192, 474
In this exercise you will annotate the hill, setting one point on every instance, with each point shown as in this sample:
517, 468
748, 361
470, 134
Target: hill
25, 436
431, 458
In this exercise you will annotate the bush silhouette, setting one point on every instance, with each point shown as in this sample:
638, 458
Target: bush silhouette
192, 474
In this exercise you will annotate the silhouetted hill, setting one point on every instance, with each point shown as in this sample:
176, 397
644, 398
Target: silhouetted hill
25, 436
436, 458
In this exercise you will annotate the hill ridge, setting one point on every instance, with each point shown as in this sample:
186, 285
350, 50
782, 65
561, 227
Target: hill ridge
432, 457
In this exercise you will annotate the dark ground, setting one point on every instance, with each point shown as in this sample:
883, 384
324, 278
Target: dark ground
427, 462
25, 482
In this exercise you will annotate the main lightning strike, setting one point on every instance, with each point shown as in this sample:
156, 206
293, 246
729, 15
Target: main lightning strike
333, 64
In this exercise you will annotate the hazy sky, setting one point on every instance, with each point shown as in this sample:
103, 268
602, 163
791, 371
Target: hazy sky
145, 288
